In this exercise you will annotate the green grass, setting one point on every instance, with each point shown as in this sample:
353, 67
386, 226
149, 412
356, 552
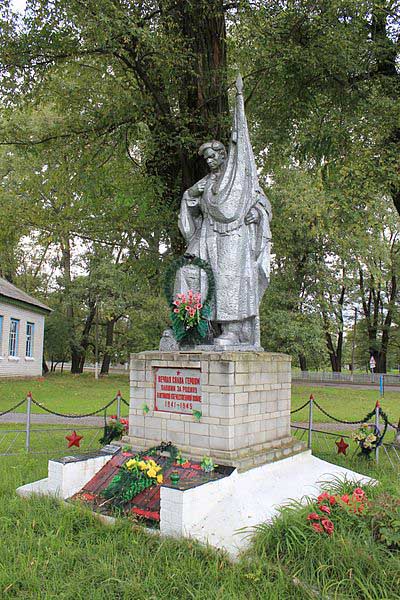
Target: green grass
65, 392
47, 439
52, 551
343, 403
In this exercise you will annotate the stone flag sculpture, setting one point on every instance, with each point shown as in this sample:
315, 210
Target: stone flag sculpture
224, 219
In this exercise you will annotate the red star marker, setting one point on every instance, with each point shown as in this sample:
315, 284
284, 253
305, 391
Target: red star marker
341, 446
178, 372
74, 439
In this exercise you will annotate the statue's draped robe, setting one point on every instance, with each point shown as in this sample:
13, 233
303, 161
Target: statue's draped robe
215, 229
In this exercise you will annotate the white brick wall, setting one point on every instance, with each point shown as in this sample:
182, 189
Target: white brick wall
21, 366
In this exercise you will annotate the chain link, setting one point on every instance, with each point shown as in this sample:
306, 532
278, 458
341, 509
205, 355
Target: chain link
300, 407
73, 416
13, 408
335, 419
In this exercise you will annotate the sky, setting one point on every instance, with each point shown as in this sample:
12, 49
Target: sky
19, 5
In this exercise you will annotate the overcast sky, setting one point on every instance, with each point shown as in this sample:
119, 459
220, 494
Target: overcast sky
19, 5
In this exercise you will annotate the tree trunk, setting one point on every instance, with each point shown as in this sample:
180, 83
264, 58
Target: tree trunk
105, 366
202, 100
84, 344
303, 362
45, 368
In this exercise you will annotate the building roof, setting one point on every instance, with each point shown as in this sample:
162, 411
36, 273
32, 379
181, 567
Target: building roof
8, 290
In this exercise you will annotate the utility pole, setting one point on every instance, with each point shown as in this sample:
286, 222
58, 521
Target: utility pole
354, 341
96, 346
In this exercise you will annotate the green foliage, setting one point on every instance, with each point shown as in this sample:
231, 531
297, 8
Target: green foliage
385, 518
347, 563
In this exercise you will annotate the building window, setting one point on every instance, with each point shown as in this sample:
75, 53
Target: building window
13, 338
1, 334
30, 328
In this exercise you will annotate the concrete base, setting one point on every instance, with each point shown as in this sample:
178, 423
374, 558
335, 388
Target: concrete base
66, 476
217, 512
245, 406
220, 513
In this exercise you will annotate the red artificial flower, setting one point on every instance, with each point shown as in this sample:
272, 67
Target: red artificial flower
114, 417
332, 500
196, 467
361, 508
345, 498
313, 516
88, 497
176, 310
147, 514
317, 527
359, 494
325, 509
323, 496
328, 526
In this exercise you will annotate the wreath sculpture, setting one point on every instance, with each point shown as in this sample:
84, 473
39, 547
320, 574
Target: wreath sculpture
189, 317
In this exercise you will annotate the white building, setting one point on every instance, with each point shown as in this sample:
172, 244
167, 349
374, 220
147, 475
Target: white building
21, 332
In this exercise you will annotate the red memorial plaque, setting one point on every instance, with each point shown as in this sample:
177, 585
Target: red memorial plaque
177, 390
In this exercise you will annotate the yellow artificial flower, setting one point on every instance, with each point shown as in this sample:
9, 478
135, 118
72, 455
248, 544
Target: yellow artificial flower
131, 464
151, 473
160, 478
142, 465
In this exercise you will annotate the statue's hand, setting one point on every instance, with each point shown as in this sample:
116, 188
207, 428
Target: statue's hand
201, 185
252, 216
197, 189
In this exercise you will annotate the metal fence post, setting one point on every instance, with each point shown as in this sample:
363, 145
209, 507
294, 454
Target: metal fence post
28, 422
118, 405
310, 421
377, 409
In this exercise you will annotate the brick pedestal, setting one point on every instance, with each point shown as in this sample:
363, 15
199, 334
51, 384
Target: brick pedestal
245, 406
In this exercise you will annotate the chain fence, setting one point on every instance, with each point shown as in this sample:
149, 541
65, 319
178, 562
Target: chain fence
325, 442
29, 435
33, 437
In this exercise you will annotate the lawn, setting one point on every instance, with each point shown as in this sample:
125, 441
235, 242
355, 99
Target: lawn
82, 393
350, 404
49, 550
65, 392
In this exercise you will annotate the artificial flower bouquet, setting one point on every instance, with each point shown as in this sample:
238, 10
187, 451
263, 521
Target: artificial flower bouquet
114, 429
366, 439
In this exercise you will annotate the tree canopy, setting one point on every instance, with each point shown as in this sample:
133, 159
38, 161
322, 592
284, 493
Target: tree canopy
103, 107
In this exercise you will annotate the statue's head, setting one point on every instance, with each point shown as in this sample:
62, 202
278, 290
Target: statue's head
214, 154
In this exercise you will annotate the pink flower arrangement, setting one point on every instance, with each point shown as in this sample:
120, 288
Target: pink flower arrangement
354, 503
188, 307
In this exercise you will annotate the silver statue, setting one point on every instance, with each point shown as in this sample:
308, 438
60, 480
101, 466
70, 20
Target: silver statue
225, 220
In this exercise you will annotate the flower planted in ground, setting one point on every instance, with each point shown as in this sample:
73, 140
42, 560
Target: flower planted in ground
340, 506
